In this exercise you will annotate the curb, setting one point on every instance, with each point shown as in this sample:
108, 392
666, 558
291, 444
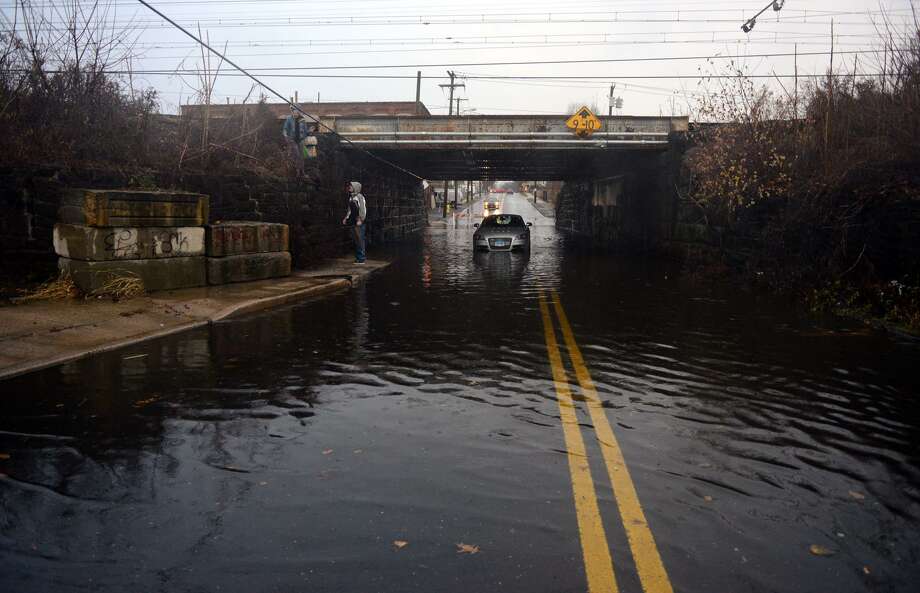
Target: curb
334, 285
10, 372
282, 299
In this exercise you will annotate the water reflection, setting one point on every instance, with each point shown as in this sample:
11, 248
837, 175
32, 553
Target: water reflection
419, 406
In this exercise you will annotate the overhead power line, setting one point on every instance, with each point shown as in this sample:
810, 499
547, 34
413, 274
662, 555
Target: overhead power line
550, 12
608, 76
426, 3
279, 95
655, 36
560, 62
477, 20
519, 46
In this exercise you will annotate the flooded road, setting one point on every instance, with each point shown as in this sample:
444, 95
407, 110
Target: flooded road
408, 436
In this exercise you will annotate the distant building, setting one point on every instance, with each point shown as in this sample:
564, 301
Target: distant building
548, 191
323, 110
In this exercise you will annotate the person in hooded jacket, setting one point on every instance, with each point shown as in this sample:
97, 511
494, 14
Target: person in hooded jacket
355, 218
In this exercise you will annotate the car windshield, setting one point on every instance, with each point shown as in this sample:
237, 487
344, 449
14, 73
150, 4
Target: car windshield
503, 221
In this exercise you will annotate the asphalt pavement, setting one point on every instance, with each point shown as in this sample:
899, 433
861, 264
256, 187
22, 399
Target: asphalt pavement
552, 421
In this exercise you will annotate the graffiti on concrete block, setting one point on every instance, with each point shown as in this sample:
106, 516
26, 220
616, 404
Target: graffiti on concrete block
168, 243
145, 243
122, 244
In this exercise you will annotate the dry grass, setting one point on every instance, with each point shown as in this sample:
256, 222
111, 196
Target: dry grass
60, 288
119, 286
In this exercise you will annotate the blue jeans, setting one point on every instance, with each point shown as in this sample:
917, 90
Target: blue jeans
358, 234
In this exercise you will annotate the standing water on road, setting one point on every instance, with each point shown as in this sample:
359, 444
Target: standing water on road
407, 436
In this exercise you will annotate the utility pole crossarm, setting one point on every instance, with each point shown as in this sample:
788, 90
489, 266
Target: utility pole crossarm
452, 86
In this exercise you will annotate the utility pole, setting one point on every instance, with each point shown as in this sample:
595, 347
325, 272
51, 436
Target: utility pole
445, 199
450, 111
451, 86
610, 108
418, 92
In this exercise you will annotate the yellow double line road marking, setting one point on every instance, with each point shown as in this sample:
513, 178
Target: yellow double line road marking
598, 565
596, 550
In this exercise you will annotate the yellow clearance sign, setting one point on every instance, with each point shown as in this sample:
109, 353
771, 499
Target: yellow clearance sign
583, 122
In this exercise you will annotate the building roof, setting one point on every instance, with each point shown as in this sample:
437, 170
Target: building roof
344, 109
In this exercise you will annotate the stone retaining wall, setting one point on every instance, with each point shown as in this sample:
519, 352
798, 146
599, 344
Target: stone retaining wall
628, 203
31, 197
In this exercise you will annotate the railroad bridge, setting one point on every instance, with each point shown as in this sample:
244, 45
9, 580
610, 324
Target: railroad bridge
621, 182
523, 147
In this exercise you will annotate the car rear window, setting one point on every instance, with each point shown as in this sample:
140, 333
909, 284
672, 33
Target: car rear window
503, 220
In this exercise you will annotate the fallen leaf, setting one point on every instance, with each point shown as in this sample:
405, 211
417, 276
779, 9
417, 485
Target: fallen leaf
400, 544
327, 452
866, 570
4, 456
143, 402
857, 495
819, 550
467, 549
707, 498
358, 451
231, 468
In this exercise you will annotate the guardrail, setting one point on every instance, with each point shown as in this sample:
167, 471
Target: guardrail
496, 139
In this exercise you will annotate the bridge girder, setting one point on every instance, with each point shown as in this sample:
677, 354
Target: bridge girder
481, 165
505, 147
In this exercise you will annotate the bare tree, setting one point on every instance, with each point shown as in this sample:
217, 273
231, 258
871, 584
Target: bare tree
61, 89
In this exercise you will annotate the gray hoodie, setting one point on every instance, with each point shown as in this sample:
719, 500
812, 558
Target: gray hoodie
357, 206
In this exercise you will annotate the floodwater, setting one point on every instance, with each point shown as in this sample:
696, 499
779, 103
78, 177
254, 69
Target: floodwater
352, 444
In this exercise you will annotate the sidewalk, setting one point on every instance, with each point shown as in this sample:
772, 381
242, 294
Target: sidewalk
39, 335
436, 218
545, 208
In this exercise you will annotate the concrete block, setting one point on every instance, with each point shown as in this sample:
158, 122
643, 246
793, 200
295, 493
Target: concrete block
252, 266
237, 238
111, 244
157, 274
129, 208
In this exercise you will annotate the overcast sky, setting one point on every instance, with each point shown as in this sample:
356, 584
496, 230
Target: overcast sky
400, 37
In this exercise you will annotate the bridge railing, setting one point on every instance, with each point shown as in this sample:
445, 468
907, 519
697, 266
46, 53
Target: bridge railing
510, 139
495, 132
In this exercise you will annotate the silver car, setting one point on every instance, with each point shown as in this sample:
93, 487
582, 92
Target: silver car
502, 232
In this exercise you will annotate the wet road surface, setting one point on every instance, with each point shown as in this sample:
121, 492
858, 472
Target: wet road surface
409, 436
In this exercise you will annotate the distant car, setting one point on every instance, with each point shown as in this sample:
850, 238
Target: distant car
502, 232
490, 205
